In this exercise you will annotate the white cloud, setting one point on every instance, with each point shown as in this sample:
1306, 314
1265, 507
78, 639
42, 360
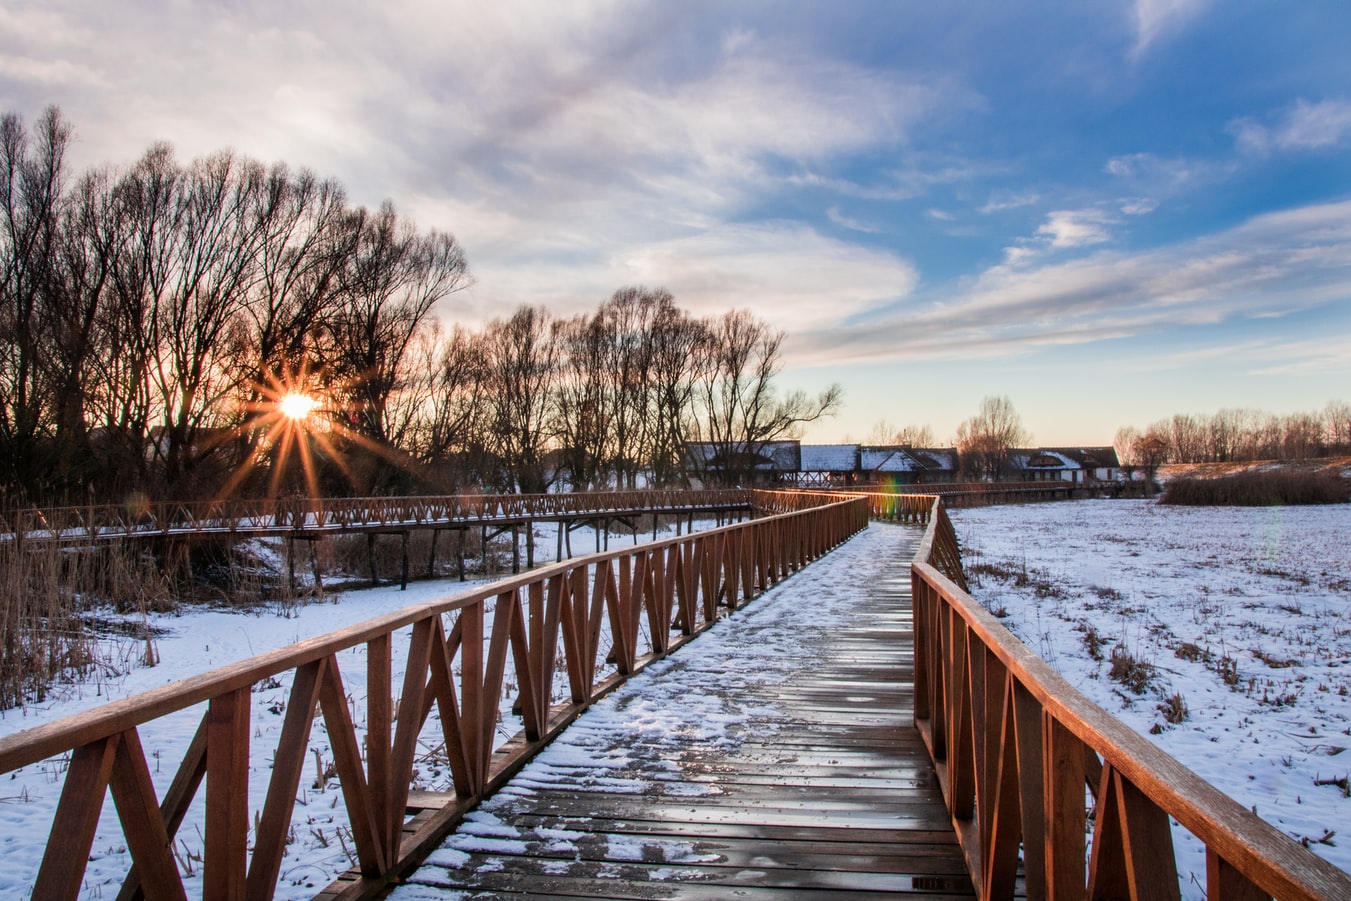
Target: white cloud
1075, 228
1062, 230
48, 73
1319, 358
1163, 173
843, 221
1138, 206
1006, 200
1319, 124
788, 274
1157, 20
1300, 126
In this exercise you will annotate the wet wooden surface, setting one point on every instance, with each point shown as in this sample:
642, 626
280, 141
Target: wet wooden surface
798, 777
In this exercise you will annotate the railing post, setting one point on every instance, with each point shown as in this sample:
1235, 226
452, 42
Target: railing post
1063, 765
227, 778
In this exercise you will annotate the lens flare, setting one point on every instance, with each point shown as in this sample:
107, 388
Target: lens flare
296, 406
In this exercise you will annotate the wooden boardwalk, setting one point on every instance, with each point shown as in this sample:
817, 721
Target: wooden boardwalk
774, 757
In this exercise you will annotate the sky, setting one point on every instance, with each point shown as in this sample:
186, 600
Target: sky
1108, 212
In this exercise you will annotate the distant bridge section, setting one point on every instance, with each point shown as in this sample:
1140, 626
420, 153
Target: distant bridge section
310, 516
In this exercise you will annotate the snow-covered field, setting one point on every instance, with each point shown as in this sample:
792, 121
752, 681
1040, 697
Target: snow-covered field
1241, 617
191, 642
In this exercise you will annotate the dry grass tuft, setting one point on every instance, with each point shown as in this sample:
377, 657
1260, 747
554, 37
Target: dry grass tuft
49, 591
1134, 674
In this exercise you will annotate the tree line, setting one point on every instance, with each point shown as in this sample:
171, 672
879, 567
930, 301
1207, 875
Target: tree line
152, 316
1236, 435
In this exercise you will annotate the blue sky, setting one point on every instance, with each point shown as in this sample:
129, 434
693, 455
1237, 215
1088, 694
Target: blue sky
1109, 212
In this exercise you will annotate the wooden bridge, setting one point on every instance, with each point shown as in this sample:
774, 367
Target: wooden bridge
309, 516
308, 519
1022, 763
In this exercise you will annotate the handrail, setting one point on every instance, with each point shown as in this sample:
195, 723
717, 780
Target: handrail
1015, 745
945, 488
652, 598
304, 514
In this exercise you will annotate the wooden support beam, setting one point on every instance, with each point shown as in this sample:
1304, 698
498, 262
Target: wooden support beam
403, 572
227, 776
77, 817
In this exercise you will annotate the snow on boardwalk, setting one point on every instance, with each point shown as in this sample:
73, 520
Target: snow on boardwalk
774, 756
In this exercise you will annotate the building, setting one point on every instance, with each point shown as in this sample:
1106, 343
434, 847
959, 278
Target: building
792, 464
797, 465
1079, 466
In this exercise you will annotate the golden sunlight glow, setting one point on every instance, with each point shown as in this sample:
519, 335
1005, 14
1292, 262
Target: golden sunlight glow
297, 406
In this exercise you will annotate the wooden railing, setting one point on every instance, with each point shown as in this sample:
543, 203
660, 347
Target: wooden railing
1015, 746
272, 516
597, 619
967, 494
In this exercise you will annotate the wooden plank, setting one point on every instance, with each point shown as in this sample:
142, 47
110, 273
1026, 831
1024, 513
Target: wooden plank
63, 862
187, 779
1066, 819
410, 719
147, 837
227, 778
1031, 789
1005, 829
287, 764
1224, 883
361, 808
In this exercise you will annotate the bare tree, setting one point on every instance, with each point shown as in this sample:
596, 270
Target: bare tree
196, 326
737, 411
454, 449
885, 433
390, 286
584, 399
1151, 452
308, 236
142, 224
627, 318
1126, 450
676, 336
1338, 417
985, 440
1303, 438
521, 359
31, 186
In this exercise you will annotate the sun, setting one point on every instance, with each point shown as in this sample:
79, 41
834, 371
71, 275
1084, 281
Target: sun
296, 406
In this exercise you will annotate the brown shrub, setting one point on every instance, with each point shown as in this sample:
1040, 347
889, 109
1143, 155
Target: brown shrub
1258, 489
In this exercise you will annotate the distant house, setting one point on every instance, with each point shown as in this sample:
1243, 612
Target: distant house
1080, 466
827, 465
863, 466
819, 465
742, 464
905, 465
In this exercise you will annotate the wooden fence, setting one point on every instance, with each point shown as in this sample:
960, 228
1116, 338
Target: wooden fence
1016, 747
596, 619
972, 494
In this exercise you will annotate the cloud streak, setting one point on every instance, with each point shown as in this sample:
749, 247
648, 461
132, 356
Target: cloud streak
1274, 264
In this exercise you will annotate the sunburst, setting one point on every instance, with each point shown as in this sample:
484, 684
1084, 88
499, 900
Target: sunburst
295, 418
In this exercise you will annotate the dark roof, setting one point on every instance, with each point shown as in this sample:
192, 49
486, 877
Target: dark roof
1089, 457
829, 457
768, 456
